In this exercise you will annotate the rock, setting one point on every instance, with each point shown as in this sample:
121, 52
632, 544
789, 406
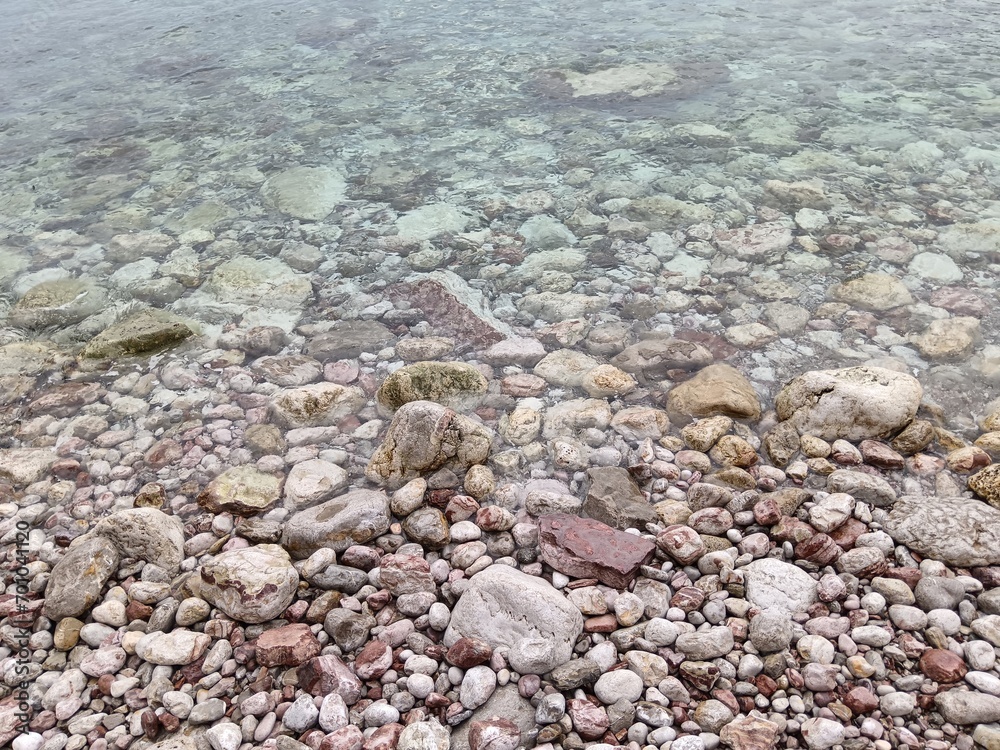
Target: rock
313, 481
716, 389
606, 381
78, 578
494, 734
428, 527
252, 584
770, 632
773, 585
873, 291
507, 703
615, 500
353, 518
942, 665
948, 339
423, 437
750, 733
565, 368
316, 404
57, 303
327, 674
478, 685
820, 734
986, 484
147, 534
224, 736
623, 683
24, 466
589, 721
862, 486
502, 605
654, 358
287, 646
702, 646
176, 648
754, 241
584, 548
854, 403
453, 307
349, 339
307, 193
144, 332
456, 385
424, 735
636, 423
958, 531
242, 490
965, 707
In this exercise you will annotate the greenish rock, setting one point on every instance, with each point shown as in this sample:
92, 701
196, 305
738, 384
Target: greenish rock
57, 303
454, 384
316, 404
243, 490
142, 333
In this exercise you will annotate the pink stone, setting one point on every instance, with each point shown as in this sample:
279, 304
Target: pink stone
681, 542
373, 661
405, 574
328, 674
287, 646
494, 734
585, 548
468, 652
384, 738
589, 721
345, 738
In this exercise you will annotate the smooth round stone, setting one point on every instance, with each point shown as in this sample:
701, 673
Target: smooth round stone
898, 704
379, 714
438, 616
477, 686
420, 685
620, 684
28, 741
946, 619
110, 613
816, 649
93, 633
192, 610
301, 715
178, 703
629, 609
226, 736
465, 531
207, 712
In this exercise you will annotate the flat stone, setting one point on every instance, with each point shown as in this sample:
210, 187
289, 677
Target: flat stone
750, 733
965, 707
702, 646
775, 585
348, 339
716, 389
502, 605
958, 531
615, 500
854, 403
252, 584
353, 518
873, 291
307, 193
144, 332
424, 437
242, 490
60, 302
457, 385
654, 358
316, 404
287, 646
424, 735
585, 548
24, 466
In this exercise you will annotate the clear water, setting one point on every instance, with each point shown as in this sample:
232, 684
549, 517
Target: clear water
121, 116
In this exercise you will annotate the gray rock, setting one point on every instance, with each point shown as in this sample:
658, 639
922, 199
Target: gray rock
771, 631
316, 404
861, 486
208, 711
622, 683
253, 584
775, 585
348, 339
424, 735
224, 736
144, 332
937, 592
175, 648
313, 481
574, 674
77, 580
503, 605
505, 702
955, 530
353, 518
147, 534
301, 715
307, 193
477, 686
966, 707
613, 498
655, 357
243, 490
705, 645
424, 437
427, 527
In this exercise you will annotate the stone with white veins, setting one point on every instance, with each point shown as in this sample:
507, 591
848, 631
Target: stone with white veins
955, 530
775, 585
252, 584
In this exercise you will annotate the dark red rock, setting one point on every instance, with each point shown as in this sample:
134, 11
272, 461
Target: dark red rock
861, 700
789, 529
942, 665
600, 624
468, 652
820, 549
328, 674
846, 535
287, 646
164, 452
989, 577
688, 598
909, 575
150, 724
345, 738
360, 557
589, 721
384, 738
585, 548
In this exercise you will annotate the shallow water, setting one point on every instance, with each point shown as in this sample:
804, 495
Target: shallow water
120, 117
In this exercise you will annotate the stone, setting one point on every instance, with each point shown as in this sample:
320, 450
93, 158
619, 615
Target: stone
495, 733
424, 437
349, 339
636, 423
316, 404
654, 358
306, 193
242, 490
705, 645
502, 605
585, 548
615, 500
957, 531
224, 736
353, 518
986, 484
78, 578
855, 403
144, 332
873, 291
750, 733
252, 584
682, 543
820, 734
313, 481
147, 534
457, 385
942, 665
477, 686
287, 646
424, 735
24, 466
775, 585
862, 486
61, 302
718, 389
405, 574
966, 707
327, 674
623, 683
176, 648
771, 631
606, 381
428, 527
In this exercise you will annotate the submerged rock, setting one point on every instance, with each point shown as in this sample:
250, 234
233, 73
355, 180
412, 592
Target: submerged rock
252, 584
307, 193
454, 384
144, 332
316, 404
243, 490
57, 303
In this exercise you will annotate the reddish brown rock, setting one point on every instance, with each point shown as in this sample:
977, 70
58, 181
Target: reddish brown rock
405, 574
384, 738
749, 733
960, 301
495, 733
452, 307
164, 452
879, 454
589, 721
373, 661
789, 529
820, 549
861, 700
523, 385
328, 674
65, 400
468, 652
846, 535
585, 548
600, 624
688, 598
942, 665
345, 738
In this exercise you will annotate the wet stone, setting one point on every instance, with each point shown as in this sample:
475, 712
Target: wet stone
589, 549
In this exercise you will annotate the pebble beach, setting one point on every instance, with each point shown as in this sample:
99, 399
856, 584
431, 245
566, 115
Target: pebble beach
397, 377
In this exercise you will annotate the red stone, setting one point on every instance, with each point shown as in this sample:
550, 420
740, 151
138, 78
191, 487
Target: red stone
373, 661
589, 721
65, 400
585, 548
600, 624
861, 700
789, 529
960, 301
942, 665
909, 575
444, 310
345, 738
494, 734
328, 674
287, 646
468, 652
384, 738
688, 598
820, 549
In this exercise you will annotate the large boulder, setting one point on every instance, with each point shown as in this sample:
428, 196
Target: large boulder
774, 586
958, 531
717, 389
252, 584
503, 606
855, 403
454, 384
424, 437
78, 578
353, 518
142, 333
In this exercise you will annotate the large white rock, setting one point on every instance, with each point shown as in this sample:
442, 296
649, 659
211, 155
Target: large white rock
267, 282
176, 648
955, 530
855, 403
147, 534
311, 482
502, 606
773, 585
252, 584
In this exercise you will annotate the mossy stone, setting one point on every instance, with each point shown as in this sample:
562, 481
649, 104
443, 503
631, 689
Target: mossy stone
453, 384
